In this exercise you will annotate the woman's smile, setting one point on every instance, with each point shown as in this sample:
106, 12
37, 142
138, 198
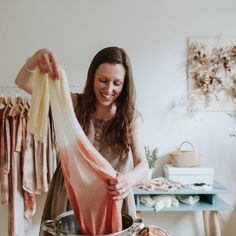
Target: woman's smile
108, 82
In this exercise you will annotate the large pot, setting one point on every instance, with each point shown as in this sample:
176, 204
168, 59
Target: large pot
65, 224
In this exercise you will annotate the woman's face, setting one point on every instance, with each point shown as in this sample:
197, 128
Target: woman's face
108, 83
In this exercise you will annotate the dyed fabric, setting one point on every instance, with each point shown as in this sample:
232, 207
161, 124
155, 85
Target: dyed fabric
57, 201
86, 172
38, 114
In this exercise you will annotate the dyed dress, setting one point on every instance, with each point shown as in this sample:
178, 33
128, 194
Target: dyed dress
57, 201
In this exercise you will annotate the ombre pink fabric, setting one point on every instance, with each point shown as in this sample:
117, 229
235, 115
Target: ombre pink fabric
86, 172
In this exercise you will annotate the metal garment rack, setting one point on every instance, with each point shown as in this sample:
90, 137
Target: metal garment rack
13, 91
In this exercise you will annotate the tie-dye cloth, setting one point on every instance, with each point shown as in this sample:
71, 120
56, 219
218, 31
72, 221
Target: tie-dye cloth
86, 172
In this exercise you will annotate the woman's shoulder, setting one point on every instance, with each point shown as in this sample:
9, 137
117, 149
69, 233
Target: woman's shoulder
137, 115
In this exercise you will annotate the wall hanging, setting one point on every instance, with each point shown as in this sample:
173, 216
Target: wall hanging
211, 71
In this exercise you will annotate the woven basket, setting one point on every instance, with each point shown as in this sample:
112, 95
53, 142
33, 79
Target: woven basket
184, 158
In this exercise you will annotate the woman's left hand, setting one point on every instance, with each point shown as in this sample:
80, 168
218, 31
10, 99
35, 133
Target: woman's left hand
118, 187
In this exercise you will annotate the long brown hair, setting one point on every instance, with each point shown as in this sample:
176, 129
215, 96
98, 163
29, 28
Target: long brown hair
119, 131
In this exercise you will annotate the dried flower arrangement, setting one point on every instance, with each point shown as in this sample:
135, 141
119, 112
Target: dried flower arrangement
211, 75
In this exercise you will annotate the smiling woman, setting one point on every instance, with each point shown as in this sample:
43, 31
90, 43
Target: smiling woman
106, 112
108, 83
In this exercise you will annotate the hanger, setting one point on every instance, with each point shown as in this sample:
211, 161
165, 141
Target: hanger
17, 106
2, 102
24, 106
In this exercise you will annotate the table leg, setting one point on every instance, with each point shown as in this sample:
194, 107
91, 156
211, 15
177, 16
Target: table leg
216, 223
138, 214
206, 216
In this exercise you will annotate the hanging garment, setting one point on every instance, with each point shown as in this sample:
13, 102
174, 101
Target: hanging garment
27, 167
17, 164
86, 172
51, 150
4, 152
16, 201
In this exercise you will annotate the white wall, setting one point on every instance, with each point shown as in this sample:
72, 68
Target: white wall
154, 33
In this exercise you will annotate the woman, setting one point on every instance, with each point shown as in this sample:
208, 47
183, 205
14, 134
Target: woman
106, 112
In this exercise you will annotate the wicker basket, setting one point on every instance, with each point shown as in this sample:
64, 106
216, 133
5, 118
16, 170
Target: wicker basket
184, 158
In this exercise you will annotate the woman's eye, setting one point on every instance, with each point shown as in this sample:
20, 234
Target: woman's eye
102, 80
117, 83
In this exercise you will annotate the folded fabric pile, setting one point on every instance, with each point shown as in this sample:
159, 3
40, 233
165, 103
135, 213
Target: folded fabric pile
188, 199
161, 184
199, 187
159, 201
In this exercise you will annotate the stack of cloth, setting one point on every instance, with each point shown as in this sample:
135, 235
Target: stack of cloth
188, 199
160, 184
159, 201
166, 201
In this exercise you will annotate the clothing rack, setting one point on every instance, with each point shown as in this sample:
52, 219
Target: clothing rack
12, 91
26, 165
9, 91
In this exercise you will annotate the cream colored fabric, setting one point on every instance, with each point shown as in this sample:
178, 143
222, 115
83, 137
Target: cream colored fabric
86, 172
38, 114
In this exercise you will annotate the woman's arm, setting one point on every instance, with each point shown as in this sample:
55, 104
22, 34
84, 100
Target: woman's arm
140, 170
45, 60
119, 188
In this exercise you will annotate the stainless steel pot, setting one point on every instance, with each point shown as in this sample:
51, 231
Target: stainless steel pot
65, 224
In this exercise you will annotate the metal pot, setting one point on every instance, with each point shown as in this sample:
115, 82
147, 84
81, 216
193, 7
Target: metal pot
65, 224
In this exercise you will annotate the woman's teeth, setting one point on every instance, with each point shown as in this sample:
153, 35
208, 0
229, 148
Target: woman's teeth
107, 95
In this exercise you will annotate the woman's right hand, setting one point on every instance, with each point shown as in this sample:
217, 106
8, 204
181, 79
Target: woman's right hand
46, 61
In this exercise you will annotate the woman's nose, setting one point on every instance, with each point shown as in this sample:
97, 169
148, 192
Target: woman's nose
109, 87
